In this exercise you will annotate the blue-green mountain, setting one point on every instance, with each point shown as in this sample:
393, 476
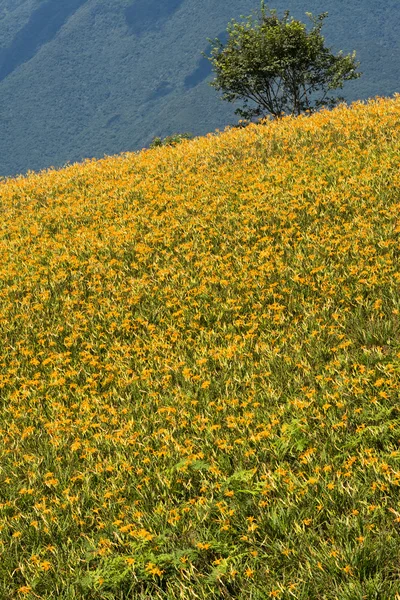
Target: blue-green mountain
85, 78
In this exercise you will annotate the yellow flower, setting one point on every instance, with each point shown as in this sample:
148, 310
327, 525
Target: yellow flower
348, 569
153, 569
203, 546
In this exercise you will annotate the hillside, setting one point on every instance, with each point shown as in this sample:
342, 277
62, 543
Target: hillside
84, 78
200, 367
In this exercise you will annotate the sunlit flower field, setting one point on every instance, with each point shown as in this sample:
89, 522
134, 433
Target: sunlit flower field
200, 368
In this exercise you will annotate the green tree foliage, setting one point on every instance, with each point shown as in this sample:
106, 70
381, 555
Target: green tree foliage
170, 140
276, 66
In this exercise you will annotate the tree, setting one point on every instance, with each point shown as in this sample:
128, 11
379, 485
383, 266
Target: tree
276, 66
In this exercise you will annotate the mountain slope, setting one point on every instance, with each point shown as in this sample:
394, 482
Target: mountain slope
200, 368
82, 78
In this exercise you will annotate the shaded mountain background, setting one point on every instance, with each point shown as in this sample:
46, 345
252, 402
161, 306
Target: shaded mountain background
84, 78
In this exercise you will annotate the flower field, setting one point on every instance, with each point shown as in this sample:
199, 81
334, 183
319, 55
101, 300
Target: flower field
200, 368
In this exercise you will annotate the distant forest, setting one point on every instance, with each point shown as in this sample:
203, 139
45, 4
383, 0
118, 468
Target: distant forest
85, 78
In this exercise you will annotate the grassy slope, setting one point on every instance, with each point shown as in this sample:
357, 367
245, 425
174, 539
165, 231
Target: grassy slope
91, 84
200, 367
